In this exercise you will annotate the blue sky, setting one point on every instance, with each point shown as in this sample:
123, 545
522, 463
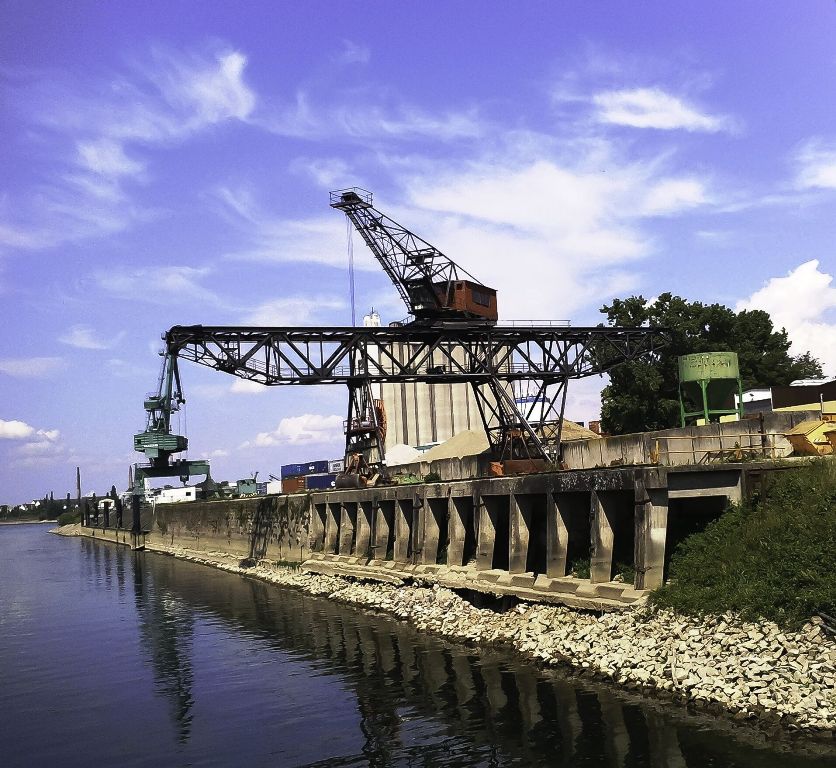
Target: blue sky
169, 163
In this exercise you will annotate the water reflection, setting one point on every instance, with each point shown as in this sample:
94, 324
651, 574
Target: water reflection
166, 625
420, 701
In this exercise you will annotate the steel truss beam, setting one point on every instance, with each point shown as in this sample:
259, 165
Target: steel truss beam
433, 354
490, 359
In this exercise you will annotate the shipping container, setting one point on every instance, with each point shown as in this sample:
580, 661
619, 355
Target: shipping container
320, 482
336, 465
293, 484
274, 486
306, 468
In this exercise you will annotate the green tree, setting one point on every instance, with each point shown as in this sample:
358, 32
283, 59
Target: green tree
644, 395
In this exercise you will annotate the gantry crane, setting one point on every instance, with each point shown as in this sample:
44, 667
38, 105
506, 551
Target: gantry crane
453, 338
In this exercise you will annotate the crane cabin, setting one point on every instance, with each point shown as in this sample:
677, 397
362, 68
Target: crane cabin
466, 299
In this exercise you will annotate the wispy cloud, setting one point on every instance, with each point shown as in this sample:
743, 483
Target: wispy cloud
32, 367
655, 108
294, 310
308, 429
84, 337
158, 285
816, 165
803, 302
102, 134
354, 53
364, 117
269, 238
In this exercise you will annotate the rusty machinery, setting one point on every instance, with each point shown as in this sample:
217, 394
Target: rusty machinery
452, 338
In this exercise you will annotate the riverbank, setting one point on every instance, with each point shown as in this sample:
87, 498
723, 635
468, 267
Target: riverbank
750, 671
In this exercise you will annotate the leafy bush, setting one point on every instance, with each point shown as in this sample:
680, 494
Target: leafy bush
772, 558
68, 518
580, 568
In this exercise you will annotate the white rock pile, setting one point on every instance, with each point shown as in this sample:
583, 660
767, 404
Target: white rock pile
750, 670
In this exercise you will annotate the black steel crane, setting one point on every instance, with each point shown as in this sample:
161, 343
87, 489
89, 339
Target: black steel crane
433, 287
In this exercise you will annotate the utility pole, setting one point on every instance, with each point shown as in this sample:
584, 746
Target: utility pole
78, 494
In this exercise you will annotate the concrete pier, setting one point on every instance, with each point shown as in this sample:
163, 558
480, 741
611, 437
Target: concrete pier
587, 538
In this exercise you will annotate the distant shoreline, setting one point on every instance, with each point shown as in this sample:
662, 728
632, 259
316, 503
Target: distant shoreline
25, 522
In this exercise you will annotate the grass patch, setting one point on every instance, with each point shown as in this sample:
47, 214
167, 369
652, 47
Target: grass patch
773, 558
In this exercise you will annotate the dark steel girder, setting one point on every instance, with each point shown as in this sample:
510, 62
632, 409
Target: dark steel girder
441, 354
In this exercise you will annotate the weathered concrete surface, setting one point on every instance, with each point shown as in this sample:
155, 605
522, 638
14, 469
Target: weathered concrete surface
505, 535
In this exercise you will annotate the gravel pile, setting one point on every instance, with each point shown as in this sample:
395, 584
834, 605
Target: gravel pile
753, 671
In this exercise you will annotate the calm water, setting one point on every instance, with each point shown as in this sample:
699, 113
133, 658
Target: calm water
109, 657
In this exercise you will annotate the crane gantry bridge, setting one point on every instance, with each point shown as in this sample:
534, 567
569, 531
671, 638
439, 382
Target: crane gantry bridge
453, 338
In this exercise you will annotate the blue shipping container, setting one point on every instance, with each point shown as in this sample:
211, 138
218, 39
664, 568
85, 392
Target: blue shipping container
320, 482
308, 468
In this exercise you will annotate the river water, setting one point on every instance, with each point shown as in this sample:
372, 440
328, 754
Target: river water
114, 658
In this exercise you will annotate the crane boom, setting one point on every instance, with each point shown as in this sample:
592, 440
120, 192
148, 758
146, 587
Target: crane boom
433, 287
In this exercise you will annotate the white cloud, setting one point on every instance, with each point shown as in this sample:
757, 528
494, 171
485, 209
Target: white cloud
107, 158
247, 387
803, 302
352, 53
654, 108
157, 285
308, 429
365, 118
674, 196
326, 172
293, 310
84, 337
31, 367
816, 162
166, 100
208, 91
15, 430
269, 238
570, 225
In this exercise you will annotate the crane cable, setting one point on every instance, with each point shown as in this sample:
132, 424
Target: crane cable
350, 236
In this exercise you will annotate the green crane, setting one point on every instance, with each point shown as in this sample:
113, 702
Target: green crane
157, 441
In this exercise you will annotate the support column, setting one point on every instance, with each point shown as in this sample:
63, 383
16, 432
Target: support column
600, 565
557, 534
382, 528
346, 530
651, 528
331, 530
364, 528
487, 535
429, 547
403, 517
520, 519
455, 532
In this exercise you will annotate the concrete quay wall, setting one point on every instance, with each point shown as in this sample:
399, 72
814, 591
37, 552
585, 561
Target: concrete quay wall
531, 536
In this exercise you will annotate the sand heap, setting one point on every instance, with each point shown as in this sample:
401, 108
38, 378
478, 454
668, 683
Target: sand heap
402, 454
467, 443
